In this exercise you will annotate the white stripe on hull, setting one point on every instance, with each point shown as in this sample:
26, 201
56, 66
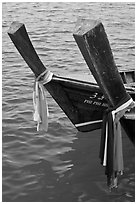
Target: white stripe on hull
88, 123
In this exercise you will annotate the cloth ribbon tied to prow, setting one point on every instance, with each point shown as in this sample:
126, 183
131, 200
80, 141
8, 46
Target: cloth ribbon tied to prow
111, 153
40, 102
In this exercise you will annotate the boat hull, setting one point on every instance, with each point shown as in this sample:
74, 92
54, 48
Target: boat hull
87, 101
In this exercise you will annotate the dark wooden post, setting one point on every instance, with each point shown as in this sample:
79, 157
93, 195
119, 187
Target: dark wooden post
20, 38
94, 46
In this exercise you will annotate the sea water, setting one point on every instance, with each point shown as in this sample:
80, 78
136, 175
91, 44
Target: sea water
62, 164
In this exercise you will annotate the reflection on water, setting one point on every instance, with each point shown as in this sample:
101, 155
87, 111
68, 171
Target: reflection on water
60, 165
63, 169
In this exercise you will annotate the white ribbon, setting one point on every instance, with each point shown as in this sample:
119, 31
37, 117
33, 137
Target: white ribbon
116, 115
41, 112
112, 123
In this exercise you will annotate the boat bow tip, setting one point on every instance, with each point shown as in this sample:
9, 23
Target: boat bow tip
14, 27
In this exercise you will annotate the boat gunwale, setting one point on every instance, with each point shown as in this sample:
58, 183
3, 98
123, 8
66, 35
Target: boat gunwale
87, 85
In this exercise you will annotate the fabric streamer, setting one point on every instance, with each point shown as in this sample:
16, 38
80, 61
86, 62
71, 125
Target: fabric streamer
41, 112
111, 153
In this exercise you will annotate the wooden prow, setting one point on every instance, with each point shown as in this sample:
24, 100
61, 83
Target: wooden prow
93, 43
20, 38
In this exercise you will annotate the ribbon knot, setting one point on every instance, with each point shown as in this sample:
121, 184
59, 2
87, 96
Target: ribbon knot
41, 112
111, 153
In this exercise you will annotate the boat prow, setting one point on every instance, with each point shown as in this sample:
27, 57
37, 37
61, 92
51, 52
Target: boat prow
83, 102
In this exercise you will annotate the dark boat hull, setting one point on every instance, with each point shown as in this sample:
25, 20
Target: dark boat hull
88, 102
129, 126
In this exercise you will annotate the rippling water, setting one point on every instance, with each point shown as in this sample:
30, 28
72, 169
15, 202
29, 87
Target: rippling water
62, 164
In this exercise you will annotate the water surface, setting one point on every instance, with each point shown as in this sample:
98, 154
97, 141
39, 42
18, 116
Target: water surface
62, 164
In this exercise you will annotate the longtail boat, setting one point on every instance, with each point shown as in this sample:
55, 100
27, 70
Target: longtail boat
84, 102
107, 103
